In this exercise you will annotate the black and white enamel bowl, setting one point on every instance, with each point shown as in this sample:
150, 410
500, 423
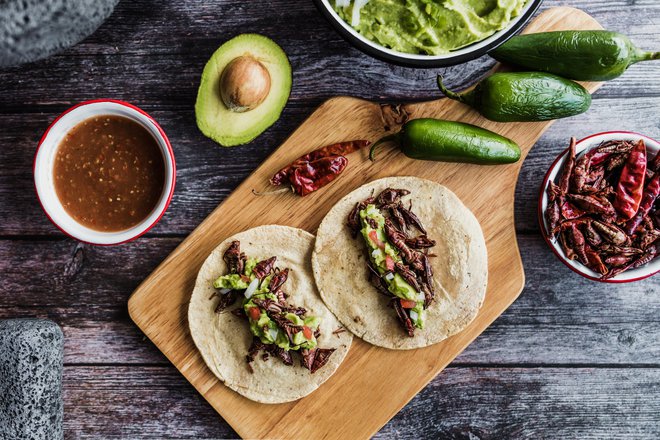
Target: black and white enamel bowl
581, 147
458, 56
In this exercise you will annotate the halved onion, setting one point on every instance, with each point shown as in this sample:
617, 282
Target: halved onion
252, 287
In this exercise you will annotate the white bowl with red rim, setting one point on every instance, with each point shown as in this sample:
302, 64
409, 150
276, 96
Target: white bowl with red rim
582, 146
44, 160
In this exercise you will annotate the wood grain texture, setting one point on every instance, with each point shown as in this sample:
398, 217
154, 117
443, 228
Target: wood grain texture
364, 402
462, 403
564, 317
151, 53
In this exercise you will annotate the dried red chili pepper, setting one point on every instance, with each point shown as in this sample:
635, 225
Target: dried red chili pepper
317, 168
651, 193
630, 189
314, 175
570, 212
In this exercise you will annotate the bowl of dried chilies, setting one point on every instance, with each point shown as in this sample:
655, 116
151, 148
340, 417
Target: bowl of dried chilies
599, 207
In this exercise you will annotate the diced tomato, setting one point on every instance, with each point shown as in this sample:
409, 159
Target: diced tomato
389, 263
373, 235
407, 303
307, 332
254, 313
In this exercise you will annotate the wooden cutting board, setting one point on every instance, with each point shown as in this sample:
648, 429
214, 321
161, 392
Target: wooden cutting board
366, 391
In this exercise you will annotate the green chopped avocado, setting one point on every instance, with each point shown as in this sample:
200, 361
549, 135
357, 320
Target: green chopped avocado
269, 332
313, 322
401, 288
244, 87
239, 282
249, 266
232, 281
418, 315
379, 250
294, 318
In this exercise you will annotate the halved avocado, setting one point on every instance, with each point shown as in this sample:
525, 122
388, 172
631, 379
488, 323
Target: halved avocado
245, 85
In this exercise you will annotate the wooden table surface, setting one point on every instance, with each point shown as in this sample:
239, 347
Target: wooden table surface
570, 359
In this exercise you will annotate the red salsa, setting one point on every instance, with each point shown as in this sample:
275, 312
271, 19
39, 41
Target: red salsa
109, 173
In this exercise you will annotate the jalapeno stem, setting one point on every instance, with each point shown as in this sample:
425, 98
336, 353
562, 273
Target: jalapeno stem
451, 95
646, 56
388, 138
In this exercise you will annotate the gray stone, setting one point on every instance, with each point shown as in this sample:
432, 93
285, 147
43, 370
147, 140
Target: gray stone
31, 353
34, 29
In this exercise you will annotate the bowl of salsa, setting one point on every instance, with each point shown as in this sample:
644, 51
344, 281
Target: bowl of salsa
104, 172
422, 33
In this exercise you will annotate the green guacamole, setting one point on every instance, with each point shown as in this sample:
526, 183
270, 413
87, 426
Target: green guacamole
431, 27
378, 253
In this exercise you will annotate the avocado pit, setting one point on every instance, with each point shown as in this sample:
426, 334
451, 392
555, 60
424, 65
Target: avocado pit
244, 84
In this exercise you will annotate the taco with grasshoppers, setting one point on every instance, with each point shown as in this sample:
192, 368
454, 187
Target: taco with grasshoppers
401, 262
257, 319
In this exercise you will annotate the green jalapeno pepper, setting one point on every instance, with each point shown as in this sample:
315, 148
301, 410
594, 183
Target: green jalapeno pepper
580, 55
524, 97
448, 141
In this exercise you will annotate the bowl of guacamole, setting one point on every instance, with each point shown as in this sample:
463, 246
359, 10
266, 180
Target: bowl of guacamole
427, 33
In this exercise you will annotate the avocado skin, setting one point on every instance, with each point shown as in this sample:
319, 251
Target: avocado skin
229, 128
528, 97
578, 55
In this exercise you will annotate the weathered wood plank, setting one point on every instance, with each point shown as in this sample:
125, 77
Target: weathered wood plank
491, 403
61, 273
207, 173
127, 58
485, 403
563, 317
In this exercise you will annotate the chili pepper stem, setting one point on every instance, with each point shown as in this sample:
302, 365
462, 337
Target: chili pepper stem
642, 55
388, 138
451, 95
646, 56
